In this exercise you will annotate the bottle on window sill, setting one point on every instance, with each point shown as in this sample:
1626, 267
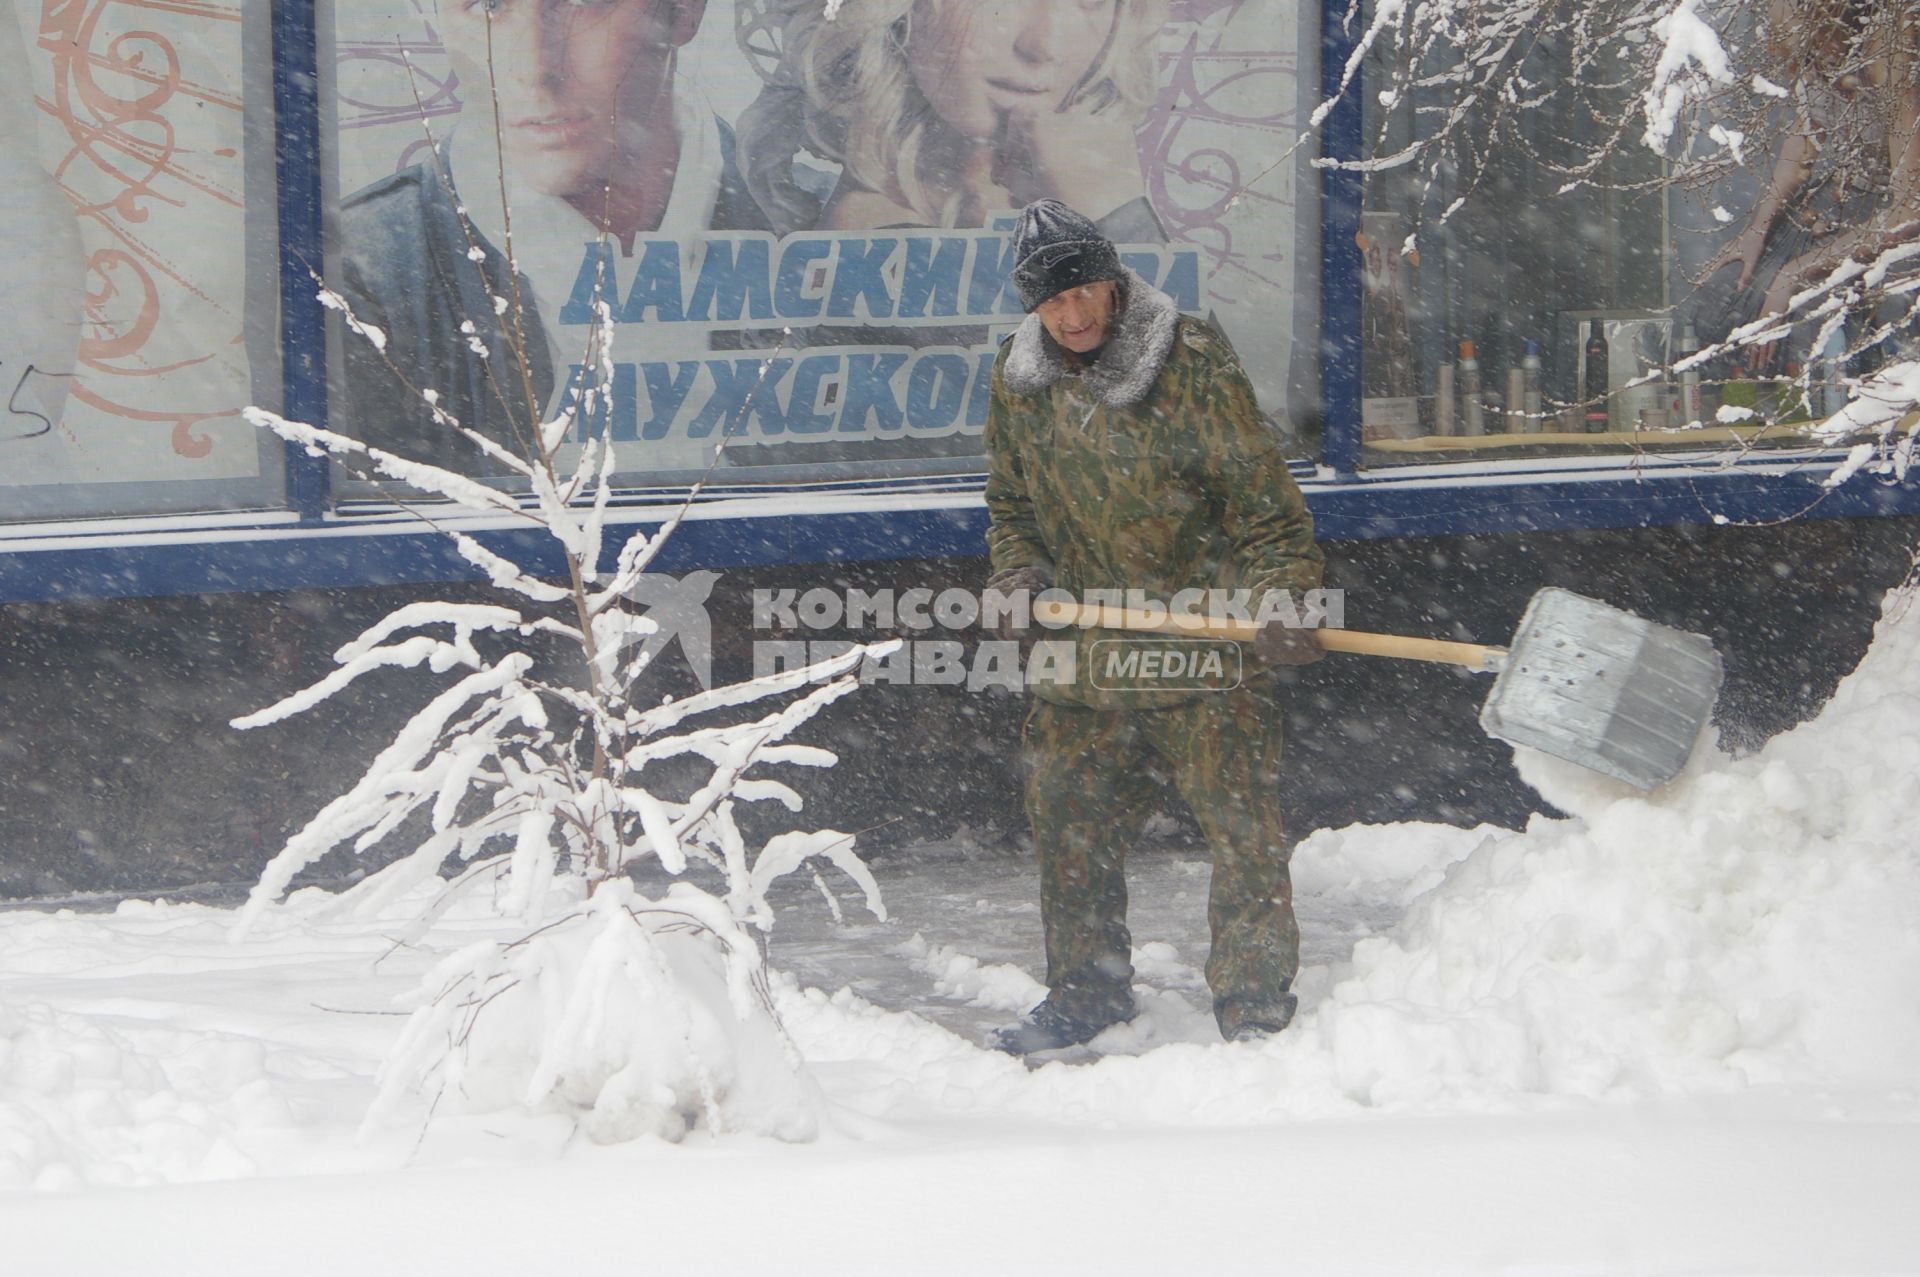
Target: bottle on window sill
1594, 389
1473, 407
1533, 407
1687, 402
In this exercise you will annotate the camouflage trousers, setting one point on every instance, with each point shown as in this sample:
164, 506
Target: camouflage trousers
1091, 775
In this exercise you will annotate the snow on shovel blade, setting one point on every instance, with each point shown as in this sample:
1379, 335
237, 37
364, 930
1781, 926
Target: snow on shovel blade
1603, 688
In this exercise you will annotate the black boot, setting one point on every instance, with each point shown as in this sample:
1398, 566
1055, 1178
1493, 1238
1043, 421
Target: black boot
1045, 1028
1240, 1022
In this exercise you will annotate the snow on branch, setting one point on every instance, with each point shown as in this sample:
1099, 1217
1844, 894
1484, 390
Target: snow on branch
379, 793
454, 487
1689, 50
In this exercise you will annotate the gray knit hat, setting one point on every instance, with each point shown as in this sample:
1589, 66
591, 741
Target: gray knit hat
1055, 248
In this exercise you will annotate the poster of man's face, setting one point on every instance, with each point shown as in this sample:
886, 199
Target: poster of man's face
797, 219
578, 85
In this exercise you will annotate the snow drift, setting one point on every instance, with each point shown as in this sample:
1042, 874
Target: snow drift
1748, 926
1745, 934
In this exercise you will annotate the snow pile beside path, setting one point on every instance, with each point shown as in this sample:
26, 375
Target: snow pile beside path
1750, 926
140, 1047
83, 1104
626, 1016
1382, 864
964, 978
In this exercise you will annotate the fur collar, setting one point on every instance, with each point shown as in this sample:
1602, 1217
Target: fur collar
1128, 364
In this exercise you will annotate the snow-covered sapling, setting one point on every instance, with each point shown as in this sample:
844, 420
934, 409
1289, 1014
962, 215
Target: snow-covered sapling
530, 786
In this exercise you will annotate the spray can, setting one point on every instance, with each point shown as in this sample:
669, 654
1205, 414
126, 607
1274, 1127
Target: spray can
1516, 396
1533, 409
1689, 406
1832, 396
1443, 400
1473, 408
1594, 389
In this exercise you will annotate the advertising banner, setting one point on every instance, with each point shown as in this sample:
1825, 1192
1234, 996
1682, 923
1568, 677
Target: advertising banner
123, 355
796, 212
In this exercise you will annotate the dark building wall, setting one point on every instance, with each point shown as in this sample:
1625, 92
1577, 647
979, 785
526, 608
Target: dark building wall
118, 771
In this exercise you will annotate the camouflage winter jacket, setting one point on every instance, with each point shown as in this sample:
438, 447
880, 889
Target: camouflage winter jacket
1151, 469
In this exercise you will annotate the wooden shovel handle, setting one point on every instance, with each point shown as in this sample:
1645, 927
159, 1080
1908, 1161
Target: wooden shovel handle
1476, 656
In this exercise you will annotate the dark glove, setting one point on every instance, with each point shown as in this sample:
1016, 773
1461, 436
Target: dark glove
1277, 643
1032, 579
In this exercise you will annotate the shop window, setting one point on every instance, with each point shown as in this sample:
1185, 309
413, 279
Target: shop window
1514, 305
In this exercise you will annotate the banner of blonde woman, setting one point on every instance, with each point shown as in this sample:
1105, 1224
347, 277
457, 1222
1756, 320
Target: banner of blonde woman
123, 363
795, 213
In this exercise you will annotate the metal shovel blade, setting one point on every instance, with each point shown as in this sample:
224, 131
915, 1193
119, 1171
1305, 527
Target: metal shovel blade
1603, 688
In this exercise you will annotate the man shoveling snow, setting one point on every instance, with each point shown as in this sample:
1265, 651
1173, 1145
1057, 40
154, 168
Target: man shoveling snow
1126, 452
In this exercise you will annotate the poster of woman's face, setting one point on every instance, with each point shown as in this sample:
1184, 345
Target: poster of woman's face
939, 110
983, 66
769, 194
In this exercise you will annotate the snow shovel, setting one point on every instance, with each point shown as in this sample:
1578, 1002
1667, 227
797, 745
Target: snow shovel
1582, 681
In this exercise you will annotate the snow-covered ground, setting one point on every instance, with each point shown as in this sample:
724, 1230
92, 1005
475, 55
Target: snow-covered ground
1671, 1033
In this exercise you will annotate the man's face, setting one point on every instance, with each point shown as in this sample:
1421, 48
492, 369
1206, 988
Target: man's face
579, 81
1079, 318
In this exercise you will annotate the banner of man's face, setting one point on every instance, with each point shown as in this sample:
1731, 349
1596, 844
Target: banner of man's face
797, 223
